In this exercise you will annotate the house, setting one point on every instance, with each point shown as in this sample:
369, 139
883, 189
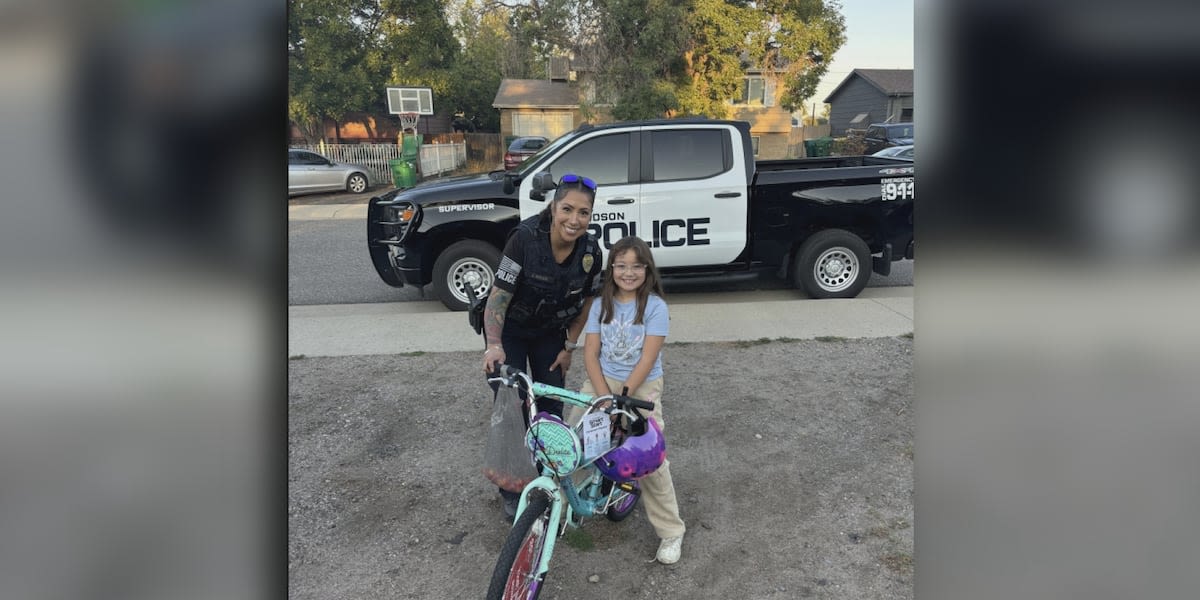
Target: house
552, 107
770, 123
868, 96
545, 107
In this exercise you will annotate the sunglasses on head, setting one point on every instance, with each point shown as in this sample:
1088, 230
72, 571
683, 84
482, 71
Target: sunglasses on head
571, 178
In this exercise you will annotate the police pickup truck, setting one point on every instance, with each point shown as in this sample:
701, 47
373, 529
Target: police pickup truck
690, 187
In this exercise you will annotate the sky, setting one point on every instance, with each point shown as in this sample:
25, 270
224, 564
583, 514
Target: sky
879, 35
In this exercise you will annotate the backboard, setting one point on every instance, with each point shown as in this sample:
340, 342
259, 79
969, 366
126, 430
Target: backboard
410, 100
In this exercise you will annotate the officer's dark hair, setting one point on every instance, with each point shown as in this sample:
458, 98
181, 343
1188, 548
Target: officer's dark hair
562, 190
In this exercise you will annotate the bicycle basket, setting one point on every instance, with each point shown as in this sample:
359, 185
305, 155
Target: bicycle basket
554, 444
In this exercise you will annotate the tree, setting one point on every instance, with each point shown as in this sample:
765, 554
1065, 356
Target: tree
798, 38
790, 40
475, 78
328, 67
342, 54
637, 55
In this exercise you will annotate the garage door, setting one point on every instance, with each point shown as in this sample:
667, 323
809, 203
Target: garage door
547, 125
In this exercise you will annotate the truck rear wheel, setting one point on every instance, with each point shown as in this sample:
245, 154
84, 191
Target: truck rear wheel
833, 263
466, 263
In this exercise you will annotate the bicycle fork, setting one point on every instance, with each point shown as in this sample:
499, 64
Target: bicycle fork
551, 489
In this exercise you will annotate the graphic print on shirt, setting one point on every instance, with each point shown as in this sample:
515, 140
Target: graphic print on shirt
621, 340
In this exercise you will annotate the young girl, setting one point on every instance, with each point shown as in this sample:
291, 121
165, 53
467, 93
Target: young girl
625, 333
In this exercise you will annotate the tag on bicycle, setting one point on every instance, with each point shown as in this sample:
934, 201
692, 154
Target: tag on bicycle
595, 435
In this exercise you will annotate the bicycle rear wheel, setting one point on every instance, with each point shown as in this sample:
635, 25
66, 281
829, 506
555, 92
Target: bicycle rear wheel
515, 575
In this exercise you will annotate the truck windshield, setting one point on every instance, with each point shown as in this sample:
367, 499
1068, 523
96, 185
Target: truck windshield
526, 167
900, 132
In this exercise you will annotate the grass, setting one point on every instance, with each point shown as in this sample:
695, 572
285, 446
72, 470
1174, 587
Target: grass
899, 562
908, 335
763, 340
750, 343
829, 338
414, 353
579, 539
297, 357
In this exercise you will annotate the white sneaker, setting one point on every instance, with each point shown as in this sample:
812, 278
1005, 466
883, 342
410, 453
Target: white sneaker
668, 550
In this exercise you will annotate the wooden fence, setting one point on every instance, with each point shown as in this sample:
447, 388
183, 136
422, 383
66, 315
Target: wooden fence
807, 132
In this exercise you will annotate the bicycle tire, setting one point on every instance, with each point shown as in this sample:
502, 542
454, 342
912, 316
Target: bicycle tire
624, 506
512, 577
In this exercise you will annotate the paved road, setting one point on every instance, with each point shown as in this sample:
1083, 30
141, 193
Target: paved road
328, 264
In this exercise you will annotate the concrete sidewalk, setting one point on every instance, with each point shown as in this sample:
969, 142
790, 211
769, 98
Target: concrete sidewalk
319, 212
400, 327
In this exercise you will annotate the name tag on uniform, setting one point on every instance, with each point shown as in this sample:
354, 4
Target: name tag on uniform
595, 435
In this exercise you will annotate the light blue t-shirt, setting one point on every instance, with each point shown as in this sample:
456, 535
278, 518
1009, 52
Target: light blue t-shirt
621, 341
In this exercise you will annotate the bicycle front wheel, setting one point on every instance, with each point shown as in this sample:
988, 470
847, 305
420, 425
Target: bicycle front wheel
515, 577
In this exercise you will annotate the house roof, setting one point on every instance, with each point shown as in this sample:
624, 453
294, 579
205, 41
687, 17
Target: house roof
892, 82
535, 93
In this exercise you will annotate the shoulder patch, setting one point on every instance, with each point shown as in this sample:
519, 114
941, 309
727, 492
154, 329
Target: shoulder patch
588, 261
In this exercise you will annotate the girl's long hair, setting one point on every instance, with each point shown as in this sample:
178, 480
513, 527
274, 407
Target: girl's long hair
652, 283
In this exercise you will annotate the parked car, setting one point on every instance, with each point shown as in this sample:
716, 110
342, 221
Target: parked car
897, 152
311, 172
884, 135
521, 149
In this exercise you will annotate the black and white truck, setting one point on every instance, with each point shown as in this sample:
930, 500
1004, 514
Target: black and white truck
690, 187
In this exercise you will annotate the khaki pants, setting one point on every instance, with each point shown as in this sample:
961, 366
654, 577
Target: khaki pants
658, 490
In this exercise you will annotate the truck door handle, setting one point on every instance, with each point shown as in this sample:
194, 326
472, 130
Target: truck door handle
620, 201
728, 195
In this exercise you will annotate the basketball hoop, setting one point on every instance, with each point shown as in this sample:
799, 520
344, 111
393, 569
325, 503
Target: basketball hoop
408, 120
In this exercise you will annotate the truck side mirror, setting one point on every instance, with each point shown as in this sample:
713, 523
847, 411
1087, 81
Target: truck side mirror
542, 182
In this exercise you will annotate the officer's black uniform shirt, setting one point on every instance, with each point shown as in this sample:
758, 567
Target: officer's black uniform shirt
546, 295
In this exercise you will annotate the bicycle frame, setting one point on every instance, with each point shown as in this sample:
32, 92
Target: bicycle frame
562, 487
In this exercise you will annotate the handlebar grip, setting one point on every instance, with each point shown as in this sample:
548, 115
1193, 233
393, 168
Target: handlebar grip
634, 402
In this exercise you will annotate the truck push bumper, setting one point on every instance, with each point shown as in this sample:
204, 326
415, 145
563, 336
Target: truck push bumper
379, 241
883, 264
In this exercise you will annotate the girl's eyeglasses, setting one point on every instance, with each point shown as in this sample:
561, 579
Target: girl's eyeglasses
634, 268
570, 178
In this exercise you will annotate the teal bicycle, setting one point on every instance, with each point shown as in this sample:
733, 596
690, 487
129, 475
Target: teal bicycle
589, 469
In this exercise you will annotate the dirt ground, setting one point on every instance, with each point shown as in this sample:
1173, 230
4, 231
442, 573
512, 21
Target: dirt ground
792, 462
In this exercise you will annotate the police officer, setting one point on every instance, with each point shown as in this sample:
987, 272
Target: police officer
548, 275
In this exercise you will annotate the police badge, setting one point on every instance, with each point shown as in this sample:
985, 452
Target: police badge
588, 259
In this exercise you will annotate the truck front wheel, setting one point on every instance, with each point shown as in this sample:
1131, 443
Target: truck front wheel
833, 263
466, 263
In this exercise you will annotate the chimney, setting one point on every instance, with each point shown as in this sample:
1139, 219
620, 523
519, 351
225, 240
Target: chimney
560, 67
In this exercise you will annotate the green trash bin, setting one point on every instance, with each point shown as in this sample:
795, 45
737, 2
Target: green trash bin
403, 173
822, 146
411, 146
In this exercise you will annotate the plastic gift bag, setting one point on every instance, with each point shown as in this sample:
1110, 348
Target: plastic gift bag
507, 462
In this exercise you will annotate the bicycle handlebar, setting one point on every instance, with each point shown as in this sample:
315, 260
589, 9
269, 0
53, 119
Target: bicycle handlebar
510, 375
634, 402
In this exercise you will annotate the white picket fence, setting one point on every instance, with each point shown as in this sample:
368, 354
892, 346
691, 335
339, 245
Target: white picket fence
436, 159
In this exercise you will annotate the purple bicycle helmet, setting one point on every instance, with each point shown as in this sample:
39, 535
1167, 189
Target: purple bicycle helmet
641, 454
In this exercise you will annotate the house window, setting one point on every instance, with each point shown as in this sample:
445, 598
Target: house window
756, 90
906, 114
754, 144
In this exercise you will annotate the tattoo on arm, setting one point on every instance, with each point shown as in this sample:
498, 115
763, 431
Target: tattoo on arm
493, 315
